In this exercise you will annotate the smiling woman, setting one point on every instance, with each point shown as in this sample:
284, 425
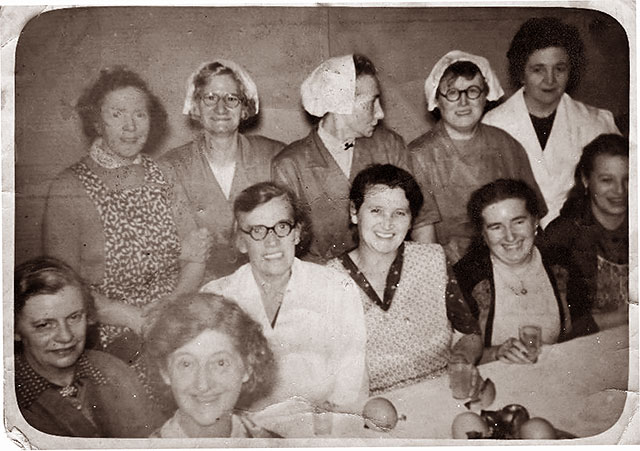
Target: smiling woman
62, 388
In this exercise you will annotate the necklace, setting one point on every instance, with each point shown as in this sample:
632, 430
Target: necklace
518, 288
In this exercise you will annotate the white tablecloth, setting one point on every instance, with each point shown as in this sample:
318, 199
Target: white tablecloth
579, 386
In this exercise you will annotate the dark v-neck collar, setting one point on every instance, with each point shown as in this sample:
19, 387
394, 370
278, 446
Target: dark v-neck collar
393, 279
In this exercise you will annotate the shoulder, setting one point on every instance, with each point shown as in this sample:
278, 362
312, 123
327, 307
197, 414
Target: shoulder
424, 251
66, 183
592, 115
115, 370
226, 284
324, 278
179, 154
384, 137
503, 113
474, 266
296, 151
264, 144
422, 142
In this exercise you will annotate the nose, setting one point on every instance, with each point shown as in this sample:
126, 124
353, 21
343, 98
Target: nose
64, 335
508, 234
271, 239
202, 379
387, 222
550, 77
220, 108
378, 111
464, 100
130, 123
620, 188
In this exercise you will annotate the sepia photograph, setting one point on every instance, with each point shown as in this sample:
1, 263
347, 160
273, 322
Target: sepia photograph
338, 224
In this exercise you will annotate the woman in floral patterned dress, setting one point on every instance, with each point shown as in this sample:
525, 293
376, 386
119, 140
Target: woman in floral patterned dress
116, 218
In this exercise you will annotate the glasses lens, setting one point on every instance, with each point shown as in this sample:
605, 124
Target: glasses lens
473, 92
258, 232
282, 229
210, 99
452, 95
231, 100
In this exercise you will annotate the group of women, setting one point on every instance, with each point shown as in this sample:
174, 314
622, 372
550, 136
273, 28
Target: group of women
235, 272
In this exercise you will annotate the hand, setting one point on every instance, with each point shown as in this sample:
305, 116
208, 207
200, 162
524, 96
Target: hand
512, 351
197, 246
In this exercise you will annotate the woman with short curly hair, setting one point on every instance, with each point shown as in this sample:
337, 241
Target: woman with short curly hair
546, 61
215, 360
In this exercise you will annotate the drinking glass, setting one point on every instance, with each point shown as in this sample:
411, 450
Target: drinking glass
461, 376
531, 338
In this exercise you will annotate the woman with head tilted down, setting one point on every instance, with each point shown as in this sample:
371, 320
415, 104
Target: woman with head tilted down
592, 230
118, 219
220, 162
507, 281
404, 286
310, 314
460, 154
546, 60
215, 360
61, 387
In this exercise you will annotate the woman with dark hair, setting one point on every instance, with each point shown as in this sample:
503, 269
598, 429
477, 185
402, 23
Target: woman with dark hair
117, 218
546, 61
310, 314
460, 154
215, 360
220, 162
592, 230
62, 388
507, 281
404, 286
344, 93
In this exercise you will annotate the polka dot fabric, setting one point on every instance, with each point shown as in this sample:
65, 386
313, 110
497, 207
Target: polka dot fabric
410, 341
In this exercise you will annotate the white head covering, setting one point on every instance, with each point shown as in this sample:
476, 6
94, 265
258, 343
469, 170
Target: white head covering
433, 80
331, 87
249, 87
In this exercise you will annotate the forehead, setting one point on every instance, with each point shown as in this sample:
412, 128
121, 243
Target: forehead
460, 82
548, 56
385, 194
125, 97
207, 343
614, 164
221, 83
275, 210
504, 210
58, 305
367, 86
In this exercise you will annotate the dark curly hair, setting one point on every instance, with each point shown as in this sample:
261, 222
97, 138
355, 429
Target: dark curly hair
112, 79
496, 191
540, 33
607, 144
363, 65
178, 321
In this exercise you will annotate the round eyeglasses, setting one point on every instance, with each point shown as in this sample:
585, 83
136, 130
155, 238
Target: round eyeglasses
453, 94
231, 101
260, 232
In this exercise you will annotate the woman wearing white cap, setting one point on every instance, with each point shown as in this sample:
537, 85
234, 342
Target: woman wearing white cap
460, 154
220, 162
344, 91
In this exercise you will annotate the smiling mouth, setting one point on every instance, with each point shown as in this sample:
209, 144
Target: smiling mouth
207, 399
273, 256
385, 236
65, 351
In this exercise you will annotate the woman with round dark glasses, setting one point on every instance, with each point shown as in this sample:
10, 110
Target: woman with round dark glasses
460, 154
220, 162
310, 314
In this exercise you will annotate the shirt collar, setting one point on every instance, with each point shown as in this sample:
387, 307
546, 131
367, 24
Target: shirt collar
332, 143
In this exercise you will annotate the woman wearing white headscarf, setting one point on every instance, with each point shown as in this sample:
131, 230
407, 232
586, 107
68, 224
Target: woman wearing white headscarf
344, 91
220, 162
460, 154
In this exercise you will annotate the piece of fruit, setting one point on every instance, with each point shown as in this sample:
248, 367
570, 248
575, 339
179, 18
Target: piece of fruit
380, 414
485, 396
537, 428
469, 425
492, 419
513, 416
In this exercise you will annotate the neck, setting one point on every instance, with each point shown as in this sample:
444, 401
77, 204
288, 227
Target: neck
272, 282
332, 124
461, 135
221, 428
221, 149
520, 267
540, 109
608, 221
367, 258
58, 376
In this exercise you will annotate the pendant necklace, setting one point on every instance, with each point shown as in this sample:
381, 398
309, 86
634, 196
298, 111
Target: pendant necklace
518, 291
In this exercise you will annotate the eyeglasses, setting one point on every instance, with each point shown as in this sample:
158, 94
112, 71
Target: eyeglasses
453, 94
231, 101
260, 232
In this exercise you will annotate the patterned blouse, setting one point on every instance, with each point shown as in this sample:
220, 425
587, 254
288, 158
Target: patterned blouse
408, 333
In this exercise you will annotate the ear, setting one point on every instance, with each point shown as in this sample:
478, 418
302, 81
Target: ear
585, 181
245, 377
17, 336
165, 376
297, 232
240, 243
353, 213
244, 115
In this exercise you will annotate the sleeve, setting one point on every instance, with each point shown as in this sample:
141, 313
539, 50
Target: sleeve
458, 311
180, 205
61, 230
349, 365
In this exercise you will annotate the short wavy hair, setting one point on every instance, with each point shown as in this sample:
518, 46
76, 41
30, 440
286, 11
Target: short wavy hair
111, 79
363, 65
48, 275
177, 321
496, 191
249, 108
540, 33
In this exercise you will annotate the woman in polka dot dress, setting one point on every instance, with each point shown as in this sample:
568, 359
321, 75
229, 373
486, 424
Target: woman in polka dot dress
404, 286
